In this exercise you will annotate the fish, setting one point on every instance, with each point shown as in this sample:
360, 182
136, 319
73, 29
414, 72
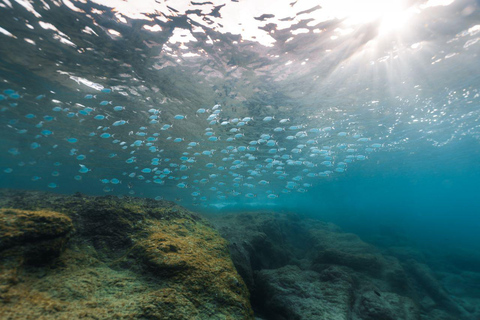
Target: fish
268, 119
119, 123
83, 169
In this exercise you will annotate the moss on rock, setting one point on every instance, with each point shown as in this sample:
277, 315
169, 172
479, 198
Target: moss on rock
32, 237
19, 227
128, 258
193, 255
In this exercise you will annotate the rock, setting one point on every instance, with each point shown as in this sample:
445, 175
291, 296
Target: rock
395, 276
437, 314
29, 238
335, 293
373, 305
262, 240
168, 304
307, 269
292, 293
406, 253
36, 236
346, 249
360, 262
191, 253
331, 246
427, 282
129, 258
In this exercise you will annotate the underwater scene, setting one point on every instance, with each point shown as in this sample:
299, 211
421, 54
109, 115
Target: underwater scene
240, 159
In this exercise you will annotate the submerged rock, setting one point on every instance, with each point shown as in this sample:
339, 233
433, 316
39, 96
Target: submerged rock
426, 279
262, 240
373, 305
292, 293
127, 259
320, 272
33, 236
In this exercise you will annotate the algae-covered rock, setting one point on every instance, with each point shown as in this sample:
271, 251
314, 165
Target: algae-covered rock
35, 235
193, 255
29, 238
128, 258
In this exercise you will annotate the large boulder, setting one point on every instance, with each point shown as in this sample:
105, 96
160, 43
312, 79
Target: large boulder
34, 236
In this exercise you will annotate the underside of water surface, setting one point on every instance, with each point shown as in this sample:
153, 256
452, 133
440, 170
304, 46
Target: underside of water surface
331, 143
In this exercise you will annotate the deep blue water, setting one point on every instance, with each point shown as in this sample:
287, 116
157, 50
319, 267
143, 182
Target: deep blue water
380, 127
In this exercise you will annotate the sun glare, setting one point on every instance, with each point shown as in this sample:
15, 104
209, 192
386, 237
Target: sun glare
391, 14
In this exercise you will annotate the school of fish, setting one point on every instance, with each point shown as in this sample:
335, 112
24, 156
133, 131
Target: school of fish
279, 158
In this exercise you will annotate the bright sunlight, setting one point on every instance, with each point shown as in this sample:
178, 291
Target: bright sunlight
391, 14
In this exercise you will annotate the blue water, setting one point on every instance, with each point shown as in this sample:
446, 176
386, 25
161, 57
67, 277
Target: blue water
325, 112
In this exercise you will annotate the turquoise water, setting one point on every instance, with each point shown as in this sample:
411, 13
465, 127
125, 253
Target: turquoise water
364, 114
